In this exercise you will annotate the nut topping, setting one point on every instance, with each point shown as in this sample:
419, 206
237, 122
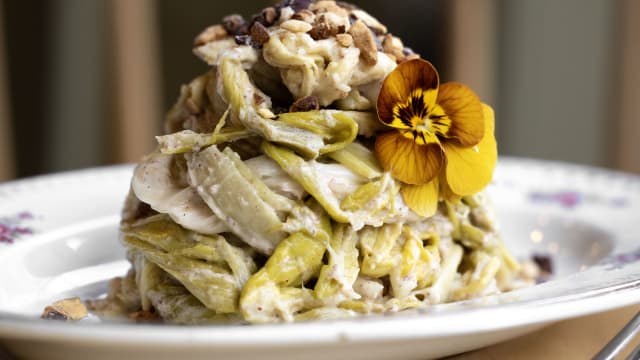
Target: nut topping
296, 26
67, 309
304, 15
259, 34
363, 40
270, 15
345, 40
328, 6
212, 33
393, 46
306, 103
370, 21
234, 24
321, 30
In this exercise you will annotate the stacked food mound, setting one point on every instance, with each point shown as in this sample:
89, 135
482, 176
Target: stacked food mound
319, 169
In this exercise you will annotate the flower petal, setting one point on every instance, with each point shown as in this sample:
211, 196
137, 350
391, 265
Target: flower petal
470, 169
422, 199
407, 161
445, 191
464, 109
398, 86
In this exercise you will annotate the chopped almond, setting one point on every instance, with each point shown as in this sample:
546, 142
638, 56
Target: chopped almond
363, 40
345, 40
212, 33
67, 309
296, 26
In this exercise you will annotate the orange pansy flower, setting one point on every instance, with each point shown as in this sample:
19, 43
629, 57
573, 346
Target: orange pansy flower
440, 133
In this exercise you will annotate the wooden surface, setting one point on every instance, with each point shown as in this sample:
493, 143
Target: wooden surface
472, 51
628, 89
577, 339
6, 143
137, 115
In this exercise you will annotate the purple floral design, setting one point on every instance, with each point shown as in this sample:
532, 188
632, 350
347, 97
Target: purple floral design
572, 199
628, 258
12, 227
617, 261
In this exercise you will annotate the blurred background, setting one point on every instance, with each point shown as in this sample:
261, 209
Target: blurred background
86, 82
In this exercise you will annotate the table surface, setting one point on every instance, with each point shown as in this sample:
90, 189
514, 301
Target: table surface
579, 338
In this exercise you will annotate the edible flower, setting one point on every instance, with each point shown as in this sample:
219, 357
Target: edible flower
441, 143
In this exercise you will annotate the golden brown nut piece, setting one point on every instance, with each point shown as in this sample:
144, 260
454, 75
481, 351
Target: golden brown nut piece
67, 309
363, 40
212, 33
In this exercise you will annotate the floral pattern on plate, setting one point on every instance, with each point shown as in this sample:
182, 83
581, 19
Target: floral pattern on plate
570, 199
14, 226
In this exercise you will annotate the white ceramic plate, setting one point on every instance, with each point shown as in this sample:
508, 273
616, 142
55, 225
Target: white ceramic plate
58, 238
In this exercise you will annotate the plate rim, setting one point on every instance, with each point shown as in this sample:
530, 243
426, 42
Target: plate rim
377, 327
354, 330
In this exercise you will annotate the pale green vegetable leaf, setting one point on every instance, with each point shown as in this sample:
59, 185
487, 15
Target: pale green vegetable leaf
358, 159
148, 276
175, 304
188, 140
309, 133
273, 292
380, 249
237, 197
213, 285
330, 184
335, 282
